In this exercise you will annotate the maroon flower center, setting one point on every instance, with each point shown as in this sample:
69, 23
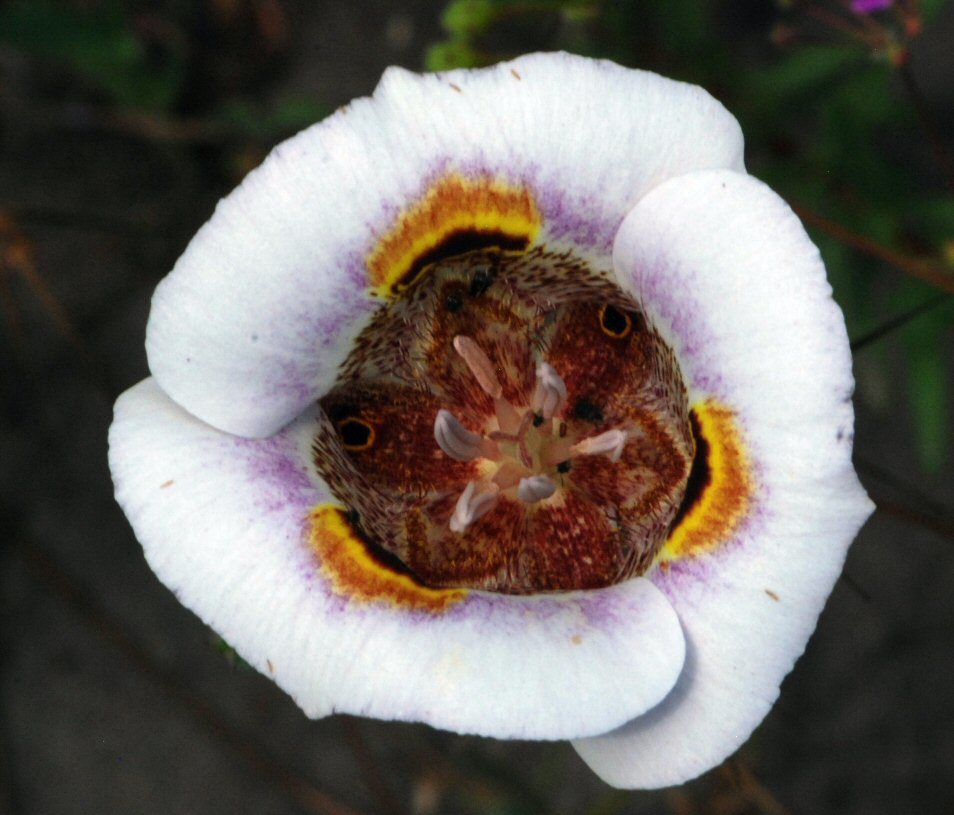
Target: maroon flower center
511, 423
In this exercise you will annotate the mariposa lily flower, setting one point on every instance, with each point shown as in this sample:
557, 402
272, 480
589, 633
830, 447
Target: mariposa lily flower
505, 401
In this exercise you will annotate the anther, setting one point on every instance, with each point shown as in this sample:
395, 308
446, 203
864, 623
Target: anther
611, 442
535, 488
549, 396
508, 417
471, 506
460, 443
479, 364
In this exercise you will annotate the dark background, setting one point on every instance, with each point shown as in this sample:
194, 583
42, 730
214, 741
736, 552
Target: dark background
122, 124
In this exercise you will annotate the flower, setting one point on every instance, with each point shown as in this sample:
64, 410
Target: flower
505, 401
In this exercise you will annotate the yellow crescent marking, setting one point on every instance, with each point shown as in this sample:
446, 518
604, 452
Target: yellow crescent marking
726, 498
355, 573
454, 204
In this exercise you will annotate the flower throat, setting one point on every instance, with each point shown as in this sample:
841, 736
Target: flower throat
509, 422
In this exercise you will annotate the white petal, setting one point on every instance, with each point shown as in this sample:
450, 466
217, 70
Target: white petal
222, 521
589, 136
252, 323
727, 273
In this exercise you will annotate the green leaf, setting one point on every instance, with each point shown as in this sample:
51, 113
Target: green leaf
684, 25
933, 219
930, 9
98, 44
929, 385
445, 56
288, 116
804, 70
231, 655
466, 18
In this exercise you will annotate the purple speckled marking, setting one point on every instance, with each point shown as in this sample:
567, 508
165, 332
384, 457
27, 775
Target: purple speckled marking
572, 220
292, 383
687, 321
275, 463
564, 217
689, 573
598, 608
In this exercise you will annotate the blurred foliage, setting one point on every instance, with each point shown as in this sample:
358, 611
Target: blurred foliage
825, 97
190, 59
99, 44
832, 122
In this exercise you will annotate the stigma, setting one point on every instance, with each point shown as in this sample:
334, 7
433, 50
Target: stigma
529, 446
510, 422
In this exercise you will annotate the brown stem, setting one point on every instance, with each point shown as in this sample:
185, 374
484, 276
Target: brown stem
897, 510
756, 792
927, 270
898, 322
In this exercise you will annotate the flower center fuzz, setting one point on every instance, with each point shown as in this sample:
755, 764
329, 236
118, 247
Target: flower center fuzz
510, 422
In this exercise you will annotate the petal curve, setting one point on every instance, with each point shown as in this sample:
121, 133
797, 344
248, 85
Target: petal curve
224, 523
726, 272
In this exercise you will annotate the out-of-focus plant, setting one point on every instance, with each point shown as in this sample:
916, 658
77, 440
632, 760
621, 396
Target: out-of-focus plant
834, 120
99, 43
203, 61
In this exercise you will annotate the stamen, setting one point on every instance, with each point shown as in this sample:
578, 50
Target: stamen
610, 442
508, 417
549, 396
535, 488
471, 506
480, 365
460, 443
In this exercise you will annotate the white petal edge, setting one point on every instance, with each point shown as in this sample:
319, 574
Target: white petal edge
725, 270
221, 522
252, 323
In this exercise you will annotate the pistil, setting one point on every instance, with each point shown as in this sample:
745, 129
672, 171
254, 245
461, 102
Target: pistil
523, 443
